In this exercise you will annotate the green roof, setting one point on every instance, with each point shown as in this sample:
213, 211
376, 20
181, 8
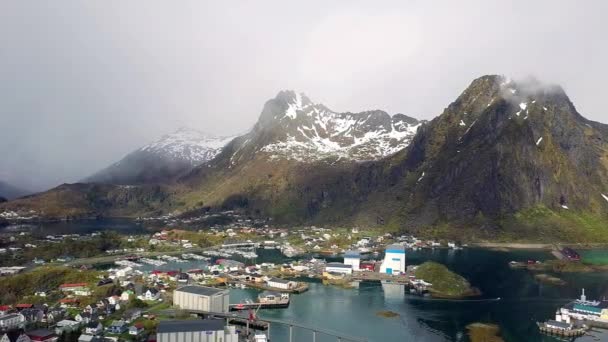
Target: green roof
582, 307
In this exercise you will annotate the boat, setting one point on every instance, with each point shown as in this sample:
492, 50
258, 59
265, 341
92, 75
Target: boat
266, 300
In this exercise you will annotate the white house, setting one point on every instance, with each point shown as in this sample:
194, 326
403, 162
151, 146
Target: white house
281, 283
113, 300
151, 294
352, 258
12, 321
394, 260
336, 267
124, 272
93, 328
125, 295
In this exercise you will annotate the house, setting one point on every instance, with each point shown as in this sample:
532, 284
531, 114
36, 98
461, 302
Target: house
93, 328
281, 283
68, 302
88, 338
40, 293
151, 294
117, 327
66, 325
12, 321
4, 309
33, 315
136, 329
55, 314
126, 295
113, 300
131, 315
42, 335
352, 258
78, 289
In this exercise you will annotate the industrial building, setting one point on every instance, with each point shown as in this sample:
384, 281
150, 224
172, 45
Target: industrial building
201, 298
394, 260
352, 258
206, 330
336, 267
282, 284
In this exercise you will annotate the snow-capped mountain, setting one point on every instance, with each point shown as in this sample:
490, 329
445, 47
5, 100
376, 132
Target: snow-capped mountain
292, 127
188, 145
164, 159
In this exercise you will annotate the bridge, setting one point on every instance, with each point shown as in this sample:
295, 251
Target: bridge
265, 322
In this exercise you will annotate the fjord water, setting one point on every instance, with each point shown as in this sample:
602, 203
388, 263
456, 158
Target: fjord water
523, 301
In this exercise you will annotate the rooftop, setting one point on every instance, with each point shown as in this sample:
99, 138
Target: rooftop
352, 254
279, 280
200, 290
563, 325
338, 265
39, 333
190, 325
396, 247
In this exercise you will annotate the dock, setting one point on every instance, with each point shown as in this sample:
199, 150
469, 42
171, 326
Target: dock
574, 332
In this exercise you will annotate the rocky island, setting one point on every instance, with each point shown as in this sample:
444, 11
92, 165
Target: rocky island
446, 284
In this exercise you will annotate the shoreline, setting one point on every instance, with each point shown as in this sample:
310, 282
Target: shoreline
537, 246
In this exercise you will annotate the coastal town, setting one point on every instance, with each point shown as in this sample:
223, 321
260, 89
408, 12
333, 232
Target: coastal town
146, 287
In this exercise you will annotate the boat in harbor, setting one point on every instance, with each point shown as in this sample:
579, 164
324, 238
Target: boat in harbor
265, 300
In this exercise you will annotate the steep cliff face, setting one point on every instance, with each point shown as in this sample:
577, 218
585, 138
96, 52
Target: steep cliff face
502, 147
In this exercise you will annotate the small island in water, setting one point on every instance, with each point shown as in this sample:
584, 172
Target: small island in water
445, 283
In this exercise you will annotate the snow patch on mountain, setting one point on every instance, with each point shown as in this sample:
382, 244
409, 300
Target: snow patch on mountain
313, 132
188, 145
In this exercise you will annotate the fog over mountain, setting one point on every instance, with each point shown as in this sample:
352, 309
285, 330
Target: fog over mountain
82, 84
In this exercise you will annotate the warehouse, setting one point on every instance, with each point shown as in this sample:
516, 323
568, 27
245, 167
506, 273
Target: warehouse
352, 258
201, 298
282, 284
207, 330
394, 260
336, 267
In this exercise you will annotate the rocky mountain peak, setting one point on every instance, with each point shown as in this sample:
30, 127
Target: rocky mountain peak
291, 126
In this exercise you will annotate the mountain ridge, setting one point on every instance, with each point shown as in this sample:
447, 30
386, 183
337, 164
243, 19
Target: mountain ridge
162, 161
507, 159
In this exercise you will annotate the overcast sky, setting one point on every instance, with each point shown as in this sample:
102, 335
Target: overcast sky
82, 83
